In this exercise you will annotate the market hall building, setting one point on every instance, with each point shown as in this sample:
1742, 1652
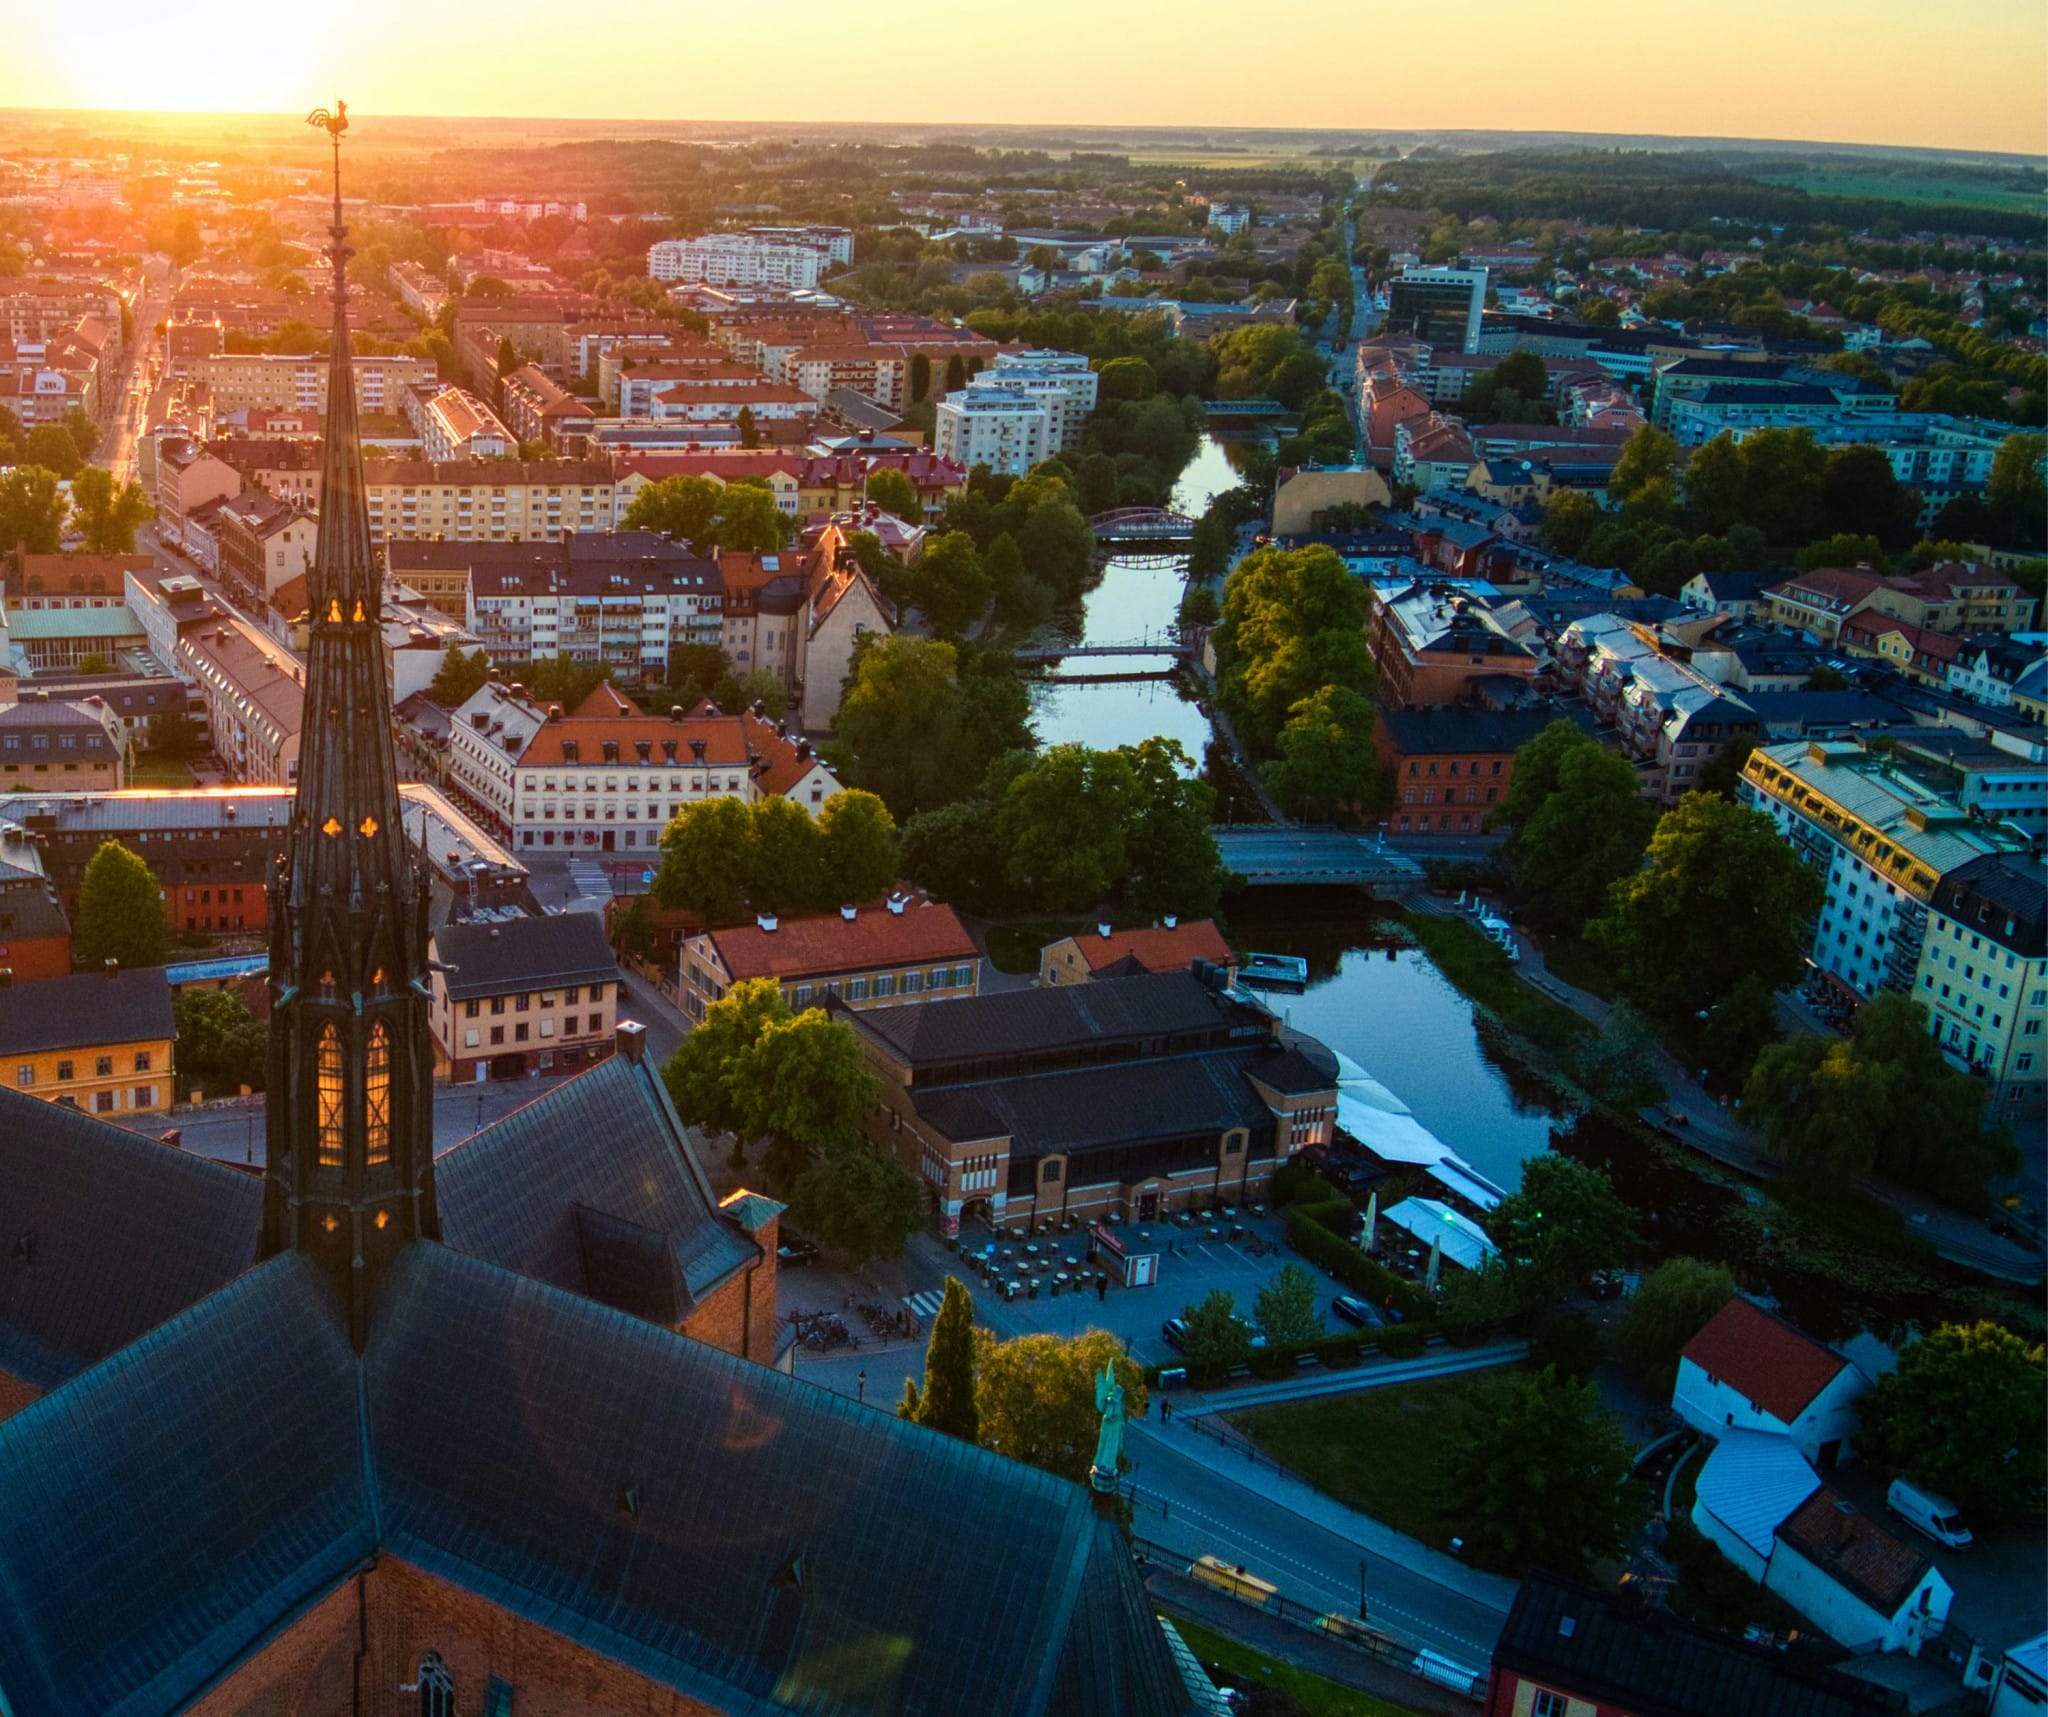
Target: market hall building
1130, 1097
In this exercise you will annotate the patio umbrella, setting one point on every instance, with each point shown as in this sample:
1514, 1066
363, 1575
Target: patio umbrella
1370, 1236
1436, 1260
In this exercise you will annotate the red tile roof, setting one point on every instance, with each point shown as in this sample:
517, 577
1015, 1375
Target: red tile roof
1157, 949
1854, 1551
1765, 1359
827, 943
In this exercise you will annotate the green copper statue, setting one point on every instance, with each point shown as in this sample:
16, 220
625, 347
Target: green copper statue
1109, 1447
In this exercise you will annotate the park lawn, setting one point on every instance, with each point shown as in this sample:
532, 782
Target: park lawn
1379, 1451
153, 769
1475, 966
1014, 948
1231, 1664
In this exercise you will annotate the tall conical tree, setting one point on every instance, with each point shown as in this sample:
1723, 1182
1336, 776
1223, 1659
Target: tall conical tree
120, 911
946, 1403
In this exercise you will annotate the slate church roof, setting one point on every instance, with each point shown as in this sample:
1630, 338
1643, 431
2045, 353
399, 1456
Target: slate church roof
721, 1528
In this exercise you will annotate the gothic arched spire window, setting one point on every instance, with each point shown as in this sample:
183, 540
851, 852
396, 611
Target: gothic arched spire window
331, 1104
437, 1687
377, 1096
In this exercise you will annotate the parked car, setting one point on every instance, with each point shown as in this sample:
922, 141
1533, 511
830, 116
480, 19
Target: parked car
1175, 1330
794, 1250
1363, 1313
1930, 1513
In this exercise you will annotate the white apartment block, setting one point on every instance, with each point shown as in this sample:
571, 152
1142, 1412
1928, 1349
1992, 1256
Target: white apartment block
835, 242
1063, 382
628, 620
455, 424
1002, 428
734, 259
485, 738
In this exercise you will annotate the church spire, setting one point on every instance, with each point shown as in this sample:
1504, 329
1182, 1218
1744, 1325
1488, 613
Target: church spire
349, 1130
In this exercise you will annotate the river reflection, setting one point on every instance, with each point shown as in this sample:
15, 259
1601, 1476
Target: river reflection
1394, 1014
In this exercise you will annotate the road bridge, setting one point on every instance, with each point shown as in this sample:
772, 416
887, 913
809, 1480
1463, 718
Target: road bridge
1246, 408
1280, 854
1142, 525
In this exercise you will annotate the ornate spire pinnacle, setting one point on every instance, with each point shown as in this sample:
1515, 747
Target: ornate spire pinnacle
349, 1128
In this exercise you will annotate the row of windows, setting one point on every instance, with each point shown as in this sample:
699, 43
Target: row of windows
544, 998
1415, 768
109, 1102
1450, 795
882, 985
102, 1068
610, 784
571, 1027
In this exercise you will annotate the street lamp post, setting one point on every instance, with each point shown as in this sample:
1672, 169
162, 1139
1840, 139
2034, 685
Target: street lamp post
861, 1391
1361, 1589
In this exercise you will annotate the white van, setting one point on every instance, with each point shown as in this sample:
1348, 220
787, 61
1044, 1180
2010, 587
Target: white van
1928, 1512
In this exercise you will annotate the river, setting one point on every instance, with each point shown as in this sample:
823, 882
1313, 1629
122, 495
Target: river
1134, 597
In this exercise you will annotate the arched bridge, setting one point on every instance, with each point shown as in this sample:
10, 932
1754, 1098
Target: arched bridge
1142, 525
1278, 854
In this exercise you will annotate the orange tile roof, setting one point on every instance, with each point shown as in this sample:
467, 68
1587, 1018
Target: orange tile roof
827, 943
725, 743
1157, 949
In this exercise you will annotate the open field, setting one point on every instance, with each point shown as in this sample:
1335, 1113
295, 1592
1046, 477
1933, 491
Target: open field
1933, 187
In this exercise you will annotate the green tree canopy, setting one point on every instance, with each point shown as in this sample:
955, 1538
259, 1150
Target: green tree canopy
1565, 1222
1720, 898
84, 433
685, 508
1023, 603
921, 723
1964, 1414
889, 489
1285, 1309
120, 911
1671, 1306
1576, 823
1063, 819
1327, 768
705, 1077
1535, 1474
947, 1402
1714, 478
707, 860
459, 678
949, 585
1217, 1337
221, 1045
1174, 866
785, 858
1649, 456
1036, 1396
748, 520
859, 1203
31, 510
108, 514
1569, 518
1883, 1100
1860, 494
50, 446
859, 839
1293, 623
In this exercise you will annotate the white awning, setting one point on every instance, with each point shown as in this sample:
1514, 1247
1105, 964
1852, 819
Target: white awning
1461, 1240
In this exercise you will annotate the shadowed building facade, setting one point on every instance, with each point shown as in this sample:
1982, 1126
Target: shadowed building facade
377, 1434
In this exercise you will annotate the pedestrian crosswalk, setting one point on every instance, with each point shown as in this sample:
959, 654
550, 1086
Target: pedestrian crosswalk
925, 1305
590, 878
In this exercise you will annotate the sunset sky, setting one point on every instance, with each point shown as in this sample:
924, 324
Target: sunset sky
1961, 73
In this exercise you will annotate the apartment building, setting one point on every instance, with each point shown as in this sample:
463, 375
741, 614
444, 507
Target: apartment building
41, 308
265, 543
1441, 306
1883, 841
254, 694
96, 1041
906, 950
515, 995
63, 747
879, 372
456, 425
419, 290
188, 475
704, 402
485, 738
1005, 429
287, 466
1063, 382
1983, 976
624, 599
241, 380
736, 259
512, 500
1432, 644
539, 409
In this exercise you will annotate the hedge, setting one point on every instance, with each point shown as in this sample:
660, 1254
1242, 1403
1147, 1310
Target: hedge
1353, 1268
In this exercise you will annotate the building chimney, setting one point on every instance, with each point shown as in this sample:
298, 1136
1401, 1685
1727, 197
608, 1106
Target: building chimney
1172, 922
6, 977
1102, 930
896, 905
849, 913
112, 968
767, 922
631, 1038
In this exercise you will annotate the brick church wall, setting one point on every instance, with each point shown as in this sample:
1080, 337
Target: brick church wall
739, 1316
309, 1669
16, 1393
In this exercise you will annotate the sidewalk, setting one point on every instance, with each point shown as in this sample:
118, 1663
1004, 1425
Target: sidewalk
1711, 1127
1373, 1374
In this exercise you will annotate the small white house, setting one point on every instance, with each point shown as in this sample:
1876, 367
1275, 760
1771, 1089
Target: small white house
1751, 1483
1863, 1588
1750, 1371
